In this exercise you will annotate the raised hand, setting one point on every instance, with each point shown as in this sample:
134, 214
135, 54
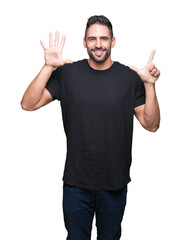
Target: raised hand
53, 54
148, 74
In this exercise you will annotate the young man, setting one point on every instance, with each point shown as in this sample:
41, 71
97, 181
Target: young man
99, 98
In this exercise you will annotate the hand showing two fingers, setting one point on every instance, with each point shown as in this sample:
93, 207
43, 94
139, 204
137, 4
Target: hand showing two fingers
148, 74
53, 53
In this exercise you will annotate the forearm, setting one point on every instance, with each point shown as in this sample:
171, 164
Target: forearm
151, 110
34, 91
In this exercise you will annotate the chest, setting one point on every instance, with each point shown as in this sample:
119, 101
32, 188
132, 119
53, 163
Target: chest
99, 91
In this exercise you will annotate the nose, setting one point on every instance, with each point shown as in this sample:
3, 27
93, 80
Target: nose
98, 43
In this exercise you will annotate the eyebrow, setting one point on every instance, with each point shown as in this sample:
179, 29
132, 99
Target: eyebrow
96, 37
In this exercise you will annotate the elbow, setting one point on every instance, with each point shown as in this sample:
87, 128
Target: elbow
25, 107
151, 126
22, 105
153, 129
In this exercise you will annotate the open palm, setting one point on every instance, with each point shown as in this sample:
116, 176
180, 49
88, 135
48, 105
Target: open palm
53, 54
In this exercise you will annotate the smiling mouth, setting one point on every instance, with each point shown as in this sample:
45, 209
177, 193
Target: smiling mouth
98, 52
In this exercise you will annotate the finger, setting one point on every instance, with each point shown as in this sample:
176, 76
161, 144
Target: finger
153, 71
157, 74
50, 40
43, 45
62, 43
56, 39
151, 67
68, 61
150, 58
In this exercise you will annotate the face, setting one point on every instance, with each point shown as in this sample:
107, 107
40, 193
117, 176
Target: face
98, 42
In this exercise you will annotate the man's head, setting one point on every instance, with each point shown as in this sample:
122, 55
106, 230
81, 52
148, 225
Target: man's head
102, 20
99, 38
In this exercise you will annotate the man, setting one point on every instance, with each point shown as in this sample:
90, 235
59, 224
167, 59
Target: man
99, 98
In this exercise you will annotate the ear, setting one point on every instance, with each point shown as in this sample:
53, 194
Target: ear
84, 43
113, 42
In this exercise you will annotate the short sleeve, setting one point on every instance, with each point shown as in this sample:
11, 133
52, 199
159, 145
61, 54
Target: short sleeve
139, 93
54, 84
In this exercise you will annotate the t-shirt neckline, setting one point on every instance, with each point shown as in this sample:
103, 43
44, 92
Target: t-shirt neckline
100, 71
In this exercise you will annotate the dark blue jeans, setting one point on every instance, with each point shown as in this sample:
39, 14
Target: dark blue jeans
79, 206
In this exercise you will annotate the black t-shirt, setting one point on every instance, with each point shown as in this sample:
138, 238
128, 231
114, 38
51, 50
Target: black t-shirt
97, 111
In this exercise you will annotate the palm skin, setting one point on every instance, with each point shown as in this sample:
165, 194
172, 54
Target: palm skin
53, 54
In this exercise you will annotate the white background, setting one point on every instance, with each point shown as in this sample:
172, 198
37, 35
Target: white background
33, 144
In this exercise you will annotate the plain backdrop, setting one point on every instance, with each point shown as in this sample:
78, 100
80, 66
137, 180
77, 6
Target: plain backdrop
33, 144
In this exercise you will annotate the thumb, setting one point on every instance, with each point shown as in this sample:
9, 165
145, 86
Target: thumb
134, 68
68, 61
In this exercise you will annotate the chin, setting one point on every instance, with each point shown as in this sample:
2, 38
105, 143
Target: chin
99, 60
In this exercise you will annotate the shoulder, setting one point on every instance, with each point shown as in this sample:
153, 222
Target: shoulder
127, 71
125, 68
74, 65
68, 68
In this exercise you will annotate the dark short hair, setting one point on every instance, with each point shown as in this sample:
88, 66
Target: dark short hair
99, 20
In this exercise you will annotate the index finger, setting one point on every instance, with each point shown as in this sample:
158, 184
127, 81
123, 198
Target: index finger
150, 58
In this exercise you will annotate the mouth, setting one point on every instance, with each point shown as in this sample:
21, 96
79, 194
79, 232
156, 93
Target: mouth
98, 52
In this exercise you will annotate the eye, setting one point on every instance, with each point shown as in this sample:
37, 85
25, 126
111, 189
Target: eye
104, 38
91, 39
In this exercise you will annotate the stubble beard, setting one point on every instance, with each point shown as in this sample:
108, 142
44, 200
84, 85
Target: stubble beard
98, 59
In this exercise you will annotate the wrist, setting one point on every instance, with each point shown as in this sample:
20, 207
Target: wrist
49, 68
149, 85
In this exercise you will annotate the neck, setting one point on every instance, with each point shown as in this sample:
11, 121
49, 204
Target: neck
100, 66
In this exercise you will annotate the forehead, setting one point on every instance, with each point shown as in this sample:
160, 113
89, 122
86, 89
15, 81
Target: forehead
98, 30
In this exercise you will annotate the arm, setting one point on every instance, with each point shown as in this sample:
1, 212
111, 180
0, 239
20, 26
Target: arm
36, 95
148, 114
